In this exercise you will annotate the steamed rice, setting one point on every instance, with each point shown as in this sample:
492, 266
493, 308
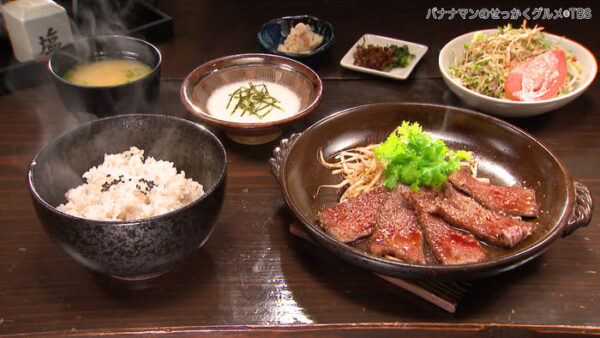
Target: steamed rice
128, 187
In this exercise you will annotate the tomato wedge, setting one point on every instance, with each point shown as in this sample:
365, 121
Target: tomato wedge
539, 78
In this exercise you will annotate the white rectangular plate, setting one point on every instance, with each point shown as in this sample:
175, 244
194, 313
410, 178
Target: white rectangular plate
377, 40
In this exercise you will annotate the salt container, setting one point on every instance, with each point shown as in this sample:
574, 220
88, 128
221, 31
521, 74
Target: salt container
36, 28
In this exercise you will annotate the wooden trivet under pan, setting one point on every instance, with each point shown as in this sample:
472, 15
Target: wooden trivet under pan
446, 295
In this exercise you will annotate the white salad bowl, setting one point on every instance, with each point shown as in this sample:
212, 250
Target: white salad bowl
453, 50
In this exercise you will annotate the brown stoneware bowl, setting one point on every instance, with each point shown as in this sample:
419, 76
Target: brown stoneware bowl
506, 155
204, 80
141, 248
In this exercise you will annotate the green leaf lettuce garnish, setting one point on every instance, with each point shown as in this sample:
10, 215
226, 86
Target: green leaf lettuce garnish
415, 158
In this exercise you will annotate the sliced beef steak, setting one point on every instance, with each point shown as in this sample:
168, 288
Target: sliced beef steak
397, 231
354, 218
464, 212
516, 201
449, 245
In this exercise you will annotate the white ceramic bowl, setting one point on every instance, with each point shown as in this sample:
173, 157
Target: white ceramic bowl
452, 51
198, 86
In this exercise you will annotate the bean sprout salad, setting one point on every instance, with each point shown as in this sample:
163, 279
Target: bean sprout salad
488, 59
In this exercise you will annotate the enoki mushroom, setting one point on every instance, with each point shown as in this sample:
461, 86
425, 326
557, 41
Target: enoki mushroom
361, 171
359, 168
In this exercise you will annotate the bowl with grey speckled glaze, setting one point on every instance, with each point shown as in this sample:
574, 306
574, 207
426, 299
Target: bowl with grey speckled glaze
130, 249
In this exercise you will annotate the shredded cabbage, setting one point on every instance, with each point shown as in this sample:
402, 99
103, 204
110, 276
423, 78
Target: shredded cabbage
489, 58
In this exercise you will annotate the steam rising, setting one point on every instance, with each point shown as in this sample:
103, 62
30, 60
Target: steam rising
87, 18
98, 17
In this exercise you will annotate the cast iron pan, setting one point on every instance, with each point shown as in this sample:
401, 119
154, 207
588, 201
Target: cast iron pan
506, 154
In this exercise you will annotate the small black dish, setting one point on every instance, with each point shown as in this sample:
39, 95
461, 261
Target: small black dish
274, 32
101, 101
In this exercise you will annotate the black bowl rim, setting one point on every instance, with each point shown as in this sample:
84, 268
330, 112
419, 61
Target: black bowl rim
318, 50
98, 37
442, 272
173, 119
205, 69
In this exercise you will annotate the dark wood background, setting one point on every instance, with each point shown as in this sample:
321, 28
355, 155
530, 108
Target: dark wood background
253, 276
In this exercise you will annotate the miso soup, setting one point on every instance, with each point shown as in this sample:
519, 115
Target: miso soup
107, 72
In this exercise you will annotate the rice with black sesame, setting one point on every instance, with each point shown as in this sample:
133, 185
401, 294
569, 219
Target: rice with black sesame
127, 186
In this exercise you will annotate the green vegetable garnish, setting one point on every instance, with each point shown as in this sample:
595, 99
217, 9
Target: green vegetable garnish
480, 64
134, 72
69, 74
415, 158
254, 100
547, 44
402, 56
476, 56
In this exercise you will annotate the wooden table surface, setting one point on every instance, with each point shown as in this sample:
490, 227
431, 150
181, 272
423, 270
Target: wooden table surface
253, 276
